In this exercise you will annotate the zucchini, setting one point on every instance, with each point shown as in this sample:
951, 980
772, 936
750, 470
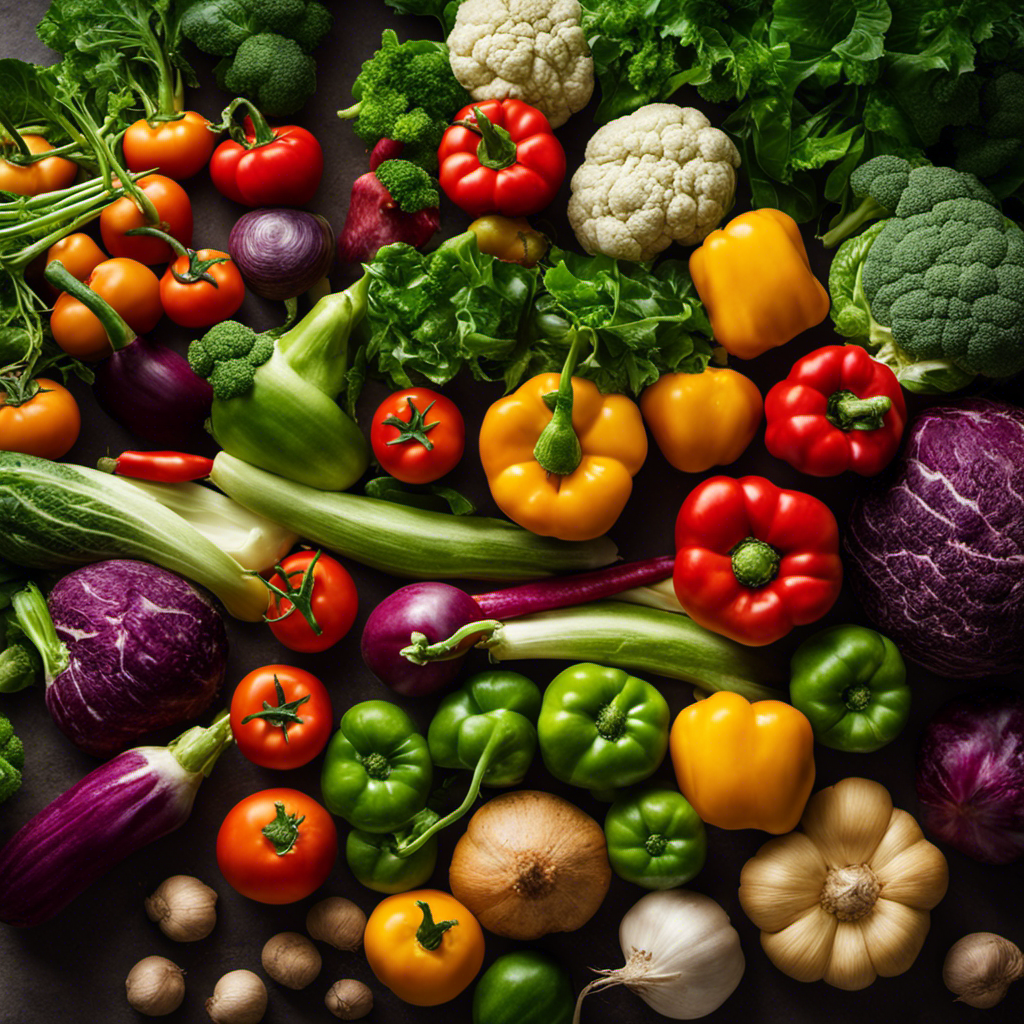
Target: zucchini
407, 542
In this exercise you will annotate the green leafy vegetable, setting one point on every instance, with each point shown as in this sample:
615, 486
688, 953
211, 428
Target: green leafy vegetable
443, 10
12, 760
410, 186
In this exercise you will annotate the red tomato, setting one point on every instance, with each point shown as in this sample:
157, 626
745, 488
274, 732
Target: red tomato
174, 207
45, 425
289, 863
179, 148
199, 303
294, 733
333, 602
417, 435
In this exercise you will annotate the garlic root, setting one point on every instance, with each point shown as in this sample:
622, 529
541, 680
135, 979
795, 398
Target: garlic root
183, 907
155, 986
980, 967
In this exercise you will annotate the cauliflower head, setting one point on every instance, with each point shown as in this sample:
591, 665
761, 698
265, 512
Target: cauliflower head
530, 50
659, 175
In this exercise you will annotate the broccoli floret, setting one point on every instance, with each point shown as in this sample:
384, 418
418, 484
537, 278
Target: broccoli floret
273, 72
878, 183
221, 26
986, 151
406, 91
410, 186
12, 760
311, 29
933, 102
228, 355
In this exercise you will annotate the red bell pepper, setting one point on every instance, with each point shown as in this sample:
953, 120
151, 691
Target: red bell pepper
753, 560
264, 166
838, 409
500, 156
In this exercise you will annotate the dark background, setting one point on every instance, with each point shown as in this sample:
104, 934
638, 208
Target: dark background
73, 968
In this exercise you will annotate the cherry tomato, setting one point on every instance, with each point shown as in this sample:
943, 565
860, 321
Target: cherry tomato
296, 728
289, 863
34, 179
333, 603
417, 435
179, 148
130, 287
45, 425
79, 253
171, 202
200, 303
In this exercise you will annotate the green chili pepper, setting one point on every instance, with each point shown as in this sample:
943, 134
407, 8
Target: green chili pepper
655, 838
850, 682
377, 772
524, 987
601, 727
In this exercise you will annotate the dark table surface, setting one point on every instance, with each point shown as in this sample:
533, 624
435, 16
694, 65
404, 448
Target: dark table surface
73, 968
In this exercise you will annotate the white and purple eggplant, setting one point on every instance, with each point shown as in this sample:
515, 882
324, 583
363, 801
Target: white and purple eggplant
125, 804
127, 648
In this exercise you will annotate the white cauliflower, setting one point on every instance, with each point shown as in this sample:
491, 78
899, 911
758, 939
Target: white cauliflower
530, 50
659, 175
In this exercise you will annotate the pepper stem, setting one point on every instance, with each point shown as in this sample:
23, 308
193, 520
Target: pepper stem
261, 130
119, 333
848, 412
29, 607
282, 714
755, 563
429, 934
414, 428
375, 765
558, 449
197, 269
611, 721
496, 149
655, 844
283, 829
421, 652
857, 697
198, 748
301, 598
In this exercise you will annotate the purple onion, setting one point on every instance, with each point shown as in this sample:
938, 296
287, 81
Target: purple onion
151, 390
280, 252
145, 650
970, 776
434, 609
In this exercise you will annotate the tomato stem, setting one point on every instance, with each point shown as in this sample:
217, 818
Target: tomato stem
414, 428
282, 714
283, 830
197, 269
20, 390
429, 934
301, 597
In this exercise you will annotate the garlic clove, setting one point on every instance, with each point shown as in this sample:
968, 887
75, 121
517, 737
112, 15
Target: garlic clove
848, 820
903, 832
894, 935
980, 967
918, 877
849, 966
802, 949
184, 908
779, 884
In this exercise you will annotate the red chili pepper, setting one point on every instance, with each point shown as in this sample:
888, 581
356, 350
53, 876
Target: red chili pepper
500, 156
838, 409
163, 467
266, 167
753, 560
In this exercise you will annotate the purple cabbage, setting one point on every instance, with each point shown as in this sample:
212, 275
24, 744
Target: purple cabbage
936, 553
970, 776
145, 650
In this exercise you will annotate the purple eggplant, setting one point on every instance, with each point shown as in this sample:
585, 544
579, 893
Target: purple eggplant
148, 388
133, 799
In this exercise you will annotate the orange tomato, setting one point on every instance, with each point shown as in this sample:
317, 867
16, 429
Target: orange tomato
424, 945
33, 179
79, 253
45, 425
175, 210
131, 288
180, 148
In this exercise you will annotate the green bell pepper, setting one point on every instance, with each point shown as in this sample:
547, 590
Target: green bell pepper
375, 864
851, 684
601, 728
525, 987
655, 838
377, 773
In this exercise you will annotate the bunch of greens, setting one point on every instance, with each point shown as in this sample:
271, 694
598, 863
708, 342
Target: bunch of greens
430, 315
443, 10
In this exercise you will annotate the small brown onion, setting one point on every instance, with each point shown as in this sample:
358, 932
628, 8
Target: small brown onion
349, 999
240, 997
280, 252
981, 967
291, 959
155, 986
183, 907
338, 922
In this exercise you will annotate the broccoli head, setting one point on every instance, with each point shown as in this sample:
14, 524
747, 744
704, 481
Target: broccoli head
409, 185
993, 149
273, 72
221, 26
228, 355
406, 91
12, 760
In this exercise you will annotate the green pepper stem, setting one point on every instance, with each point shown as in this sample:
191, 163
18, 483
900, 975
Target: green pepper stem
198, 748
282, 714
848, 412
857, 697
261, 130
496, 149
33, 616
119, 333
421, 652
611, 719
655, 844
375, 765
429, 934
558, 449
754, 563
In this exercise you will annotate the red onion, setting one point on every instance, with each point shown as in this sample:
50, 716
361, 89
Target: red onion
280, 252
970, 775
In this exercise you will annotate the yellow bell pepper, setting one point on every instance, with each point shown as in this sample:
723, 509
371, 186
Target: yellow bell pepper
744, 765
755, 281
565, 473
700, 420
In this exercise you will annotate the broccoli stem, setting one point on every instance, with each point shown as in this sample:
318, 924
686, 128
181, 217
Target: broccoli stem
867, 210
33, 616
350, 112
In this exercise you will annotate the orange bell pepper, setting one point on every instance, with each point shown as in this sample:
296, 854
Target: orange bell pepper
744, 765
700, 420
424, 945
565, 473
754, 278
